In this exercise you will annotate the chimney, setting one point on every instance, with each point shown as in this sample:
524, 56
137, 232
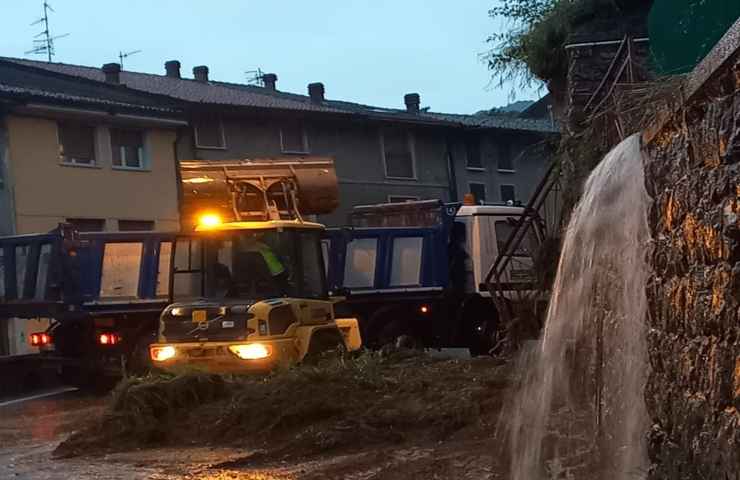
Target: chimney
201, 73
172, 68
412, 101
316, 92
112, 72
269, 79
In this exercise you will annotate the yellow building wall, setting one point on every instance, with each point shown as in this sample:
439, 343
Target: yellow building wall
47, 192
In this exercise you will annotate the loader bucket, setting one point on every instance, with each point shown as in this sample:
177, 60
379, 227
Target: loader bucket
250, 189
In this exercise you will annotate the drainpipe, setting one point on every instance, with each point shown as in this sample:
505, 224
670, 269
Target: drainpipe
451, 176
178, 177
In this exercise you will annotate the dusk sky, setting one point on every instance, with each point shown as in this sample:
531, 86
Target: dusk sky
364, 51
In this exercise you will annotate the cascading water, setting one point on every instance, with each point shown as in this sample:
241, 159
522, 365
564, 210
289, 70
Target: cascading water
579, 411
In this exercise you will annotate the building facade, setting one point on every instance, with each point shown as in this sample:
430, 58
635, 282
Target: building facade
381, 154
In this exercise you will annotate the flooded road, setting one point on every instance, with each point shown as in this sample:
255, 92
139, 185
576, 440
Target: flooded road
31, 428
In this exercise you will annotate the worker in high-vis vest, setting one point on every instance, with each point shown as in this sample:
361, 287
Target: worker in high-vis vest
274, 265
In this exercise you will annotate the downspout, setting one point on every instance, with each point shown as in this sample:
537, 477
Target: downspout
7, 189
178, 176
451, 175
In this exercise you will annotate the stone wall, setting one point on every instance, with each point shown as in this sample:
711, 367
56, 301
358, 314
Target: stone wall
693, 177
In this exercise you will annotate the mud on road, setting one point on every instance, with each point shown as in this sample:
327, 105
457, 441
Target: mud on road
374, 417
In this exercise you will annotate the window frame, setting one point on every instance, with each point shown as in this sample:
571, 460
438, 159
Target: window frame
505, 148
501, 192
74, 221
485, 191
411, 143
475, 168
144, 161
304, 135
409, 198
198, 145
153, 224
63, 159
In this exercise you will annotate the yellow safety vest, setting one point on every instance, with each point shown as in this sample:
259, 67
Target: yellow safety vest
273, 264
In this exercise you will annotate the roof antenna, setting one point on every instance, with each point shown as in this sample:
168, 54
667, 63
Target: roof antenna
45, 44
122, 55
255, 77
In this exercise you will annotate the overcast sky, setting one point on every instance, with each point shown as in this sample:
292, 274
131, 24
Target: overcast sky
368, 51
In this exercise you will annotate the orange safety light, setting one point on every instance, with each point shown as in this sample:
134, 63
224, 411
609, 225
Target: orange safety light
469, 199
209, 220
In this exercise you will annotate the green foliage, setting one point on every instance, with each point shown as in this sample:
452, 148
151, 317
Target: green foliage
532, 49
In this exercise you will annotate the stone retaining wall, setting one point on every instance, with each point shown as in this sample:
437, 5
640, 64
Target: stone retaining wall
693, 394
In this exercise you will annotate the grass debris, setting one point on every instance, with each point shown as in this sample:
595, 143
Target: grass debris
374, 397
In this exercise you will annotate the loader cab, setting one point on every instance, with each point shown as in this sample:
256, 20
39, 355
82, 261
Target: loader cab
249, 261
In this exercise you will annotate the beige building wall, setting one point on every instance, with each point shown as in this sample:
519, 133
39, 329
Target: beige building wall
48, 192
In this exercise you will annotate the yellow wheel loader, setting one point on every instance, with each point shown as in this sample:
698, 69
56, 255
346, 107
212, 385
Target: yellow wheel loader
248, 286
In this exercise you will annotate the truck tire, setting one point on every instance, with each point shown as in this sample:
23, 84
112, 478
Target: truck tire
392, 326
480, 322
325, 344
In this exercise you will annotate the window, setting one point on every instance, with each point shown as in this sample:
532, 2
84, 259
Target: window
293, 138
21, 261
127, 147
472, 150
87, 224
406, 261
505, 160
188, 276
508, 193
325, 246
505, 228
42, 274
76, 143
2, 273
163, 269
209, 133
135, 225
312, 264
397, 154
479, 192
401, 198
121, 268
359, 269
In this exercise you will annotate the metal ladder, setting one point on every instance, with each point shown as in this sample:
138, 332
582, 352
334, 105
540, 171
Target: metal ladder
493, 280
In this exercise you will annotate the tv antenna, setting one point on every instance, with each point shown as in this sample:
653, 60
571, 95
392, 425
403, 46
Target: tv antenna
44, 41
255, 77
122, 55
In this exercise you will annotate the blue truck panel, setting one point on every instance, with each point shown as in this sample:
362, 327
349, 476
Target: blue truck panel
59, 274
433, 265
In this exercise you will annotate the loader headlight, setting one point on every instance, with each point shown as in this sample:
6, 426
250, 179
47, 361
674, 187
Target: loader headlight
251, 351
160, 354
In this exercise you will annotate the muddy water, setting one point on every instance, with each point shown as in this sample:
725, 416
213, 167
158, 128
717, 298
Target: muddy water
579, 410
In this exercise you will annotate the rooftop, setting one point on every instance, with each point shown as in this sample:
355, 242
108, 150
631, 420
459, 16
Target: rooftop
216, 93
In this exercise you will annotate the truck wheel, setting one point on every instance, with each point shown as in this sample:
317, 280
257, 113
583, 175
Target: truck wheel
480, 321
324, 345
392, 326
